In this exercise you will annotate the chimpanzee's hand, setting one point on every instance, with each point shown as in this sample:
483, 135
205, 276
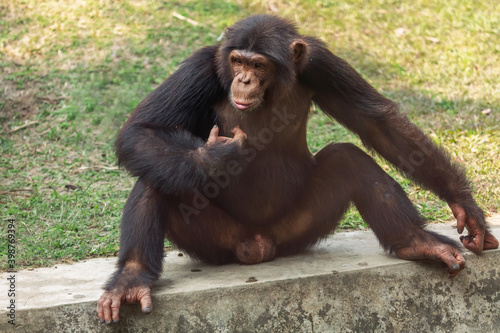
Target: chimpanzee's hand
479, 238
239, 137
218, 151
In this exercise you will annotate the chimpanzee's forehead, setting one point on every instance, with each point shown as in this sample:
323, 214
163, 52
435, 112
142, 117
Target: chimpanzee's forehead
262, 34
260, 31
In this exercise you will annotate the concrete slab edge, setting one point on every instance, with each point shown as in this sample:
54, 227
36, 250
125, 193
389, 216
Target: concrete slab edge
404, 297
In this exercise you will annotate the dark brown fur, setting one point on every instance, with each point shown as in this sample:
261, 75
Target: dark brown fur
261, 193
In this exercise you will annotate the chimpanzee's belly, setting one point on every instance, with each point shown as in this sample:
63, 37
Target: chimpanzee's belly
266, 189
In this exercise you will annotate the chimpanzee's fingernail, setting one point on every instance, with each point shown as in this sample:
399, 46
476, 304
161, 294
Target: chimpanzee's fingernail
456, 267
147, 310
101, 320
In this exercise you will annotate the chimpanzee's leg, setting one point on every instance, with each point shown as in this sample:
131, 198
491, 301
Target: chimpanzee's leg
141, 253
203, 231
344, 174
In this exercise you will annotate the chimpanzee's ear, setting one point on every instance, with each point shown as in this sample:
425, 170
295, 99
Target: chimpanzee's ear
300, 52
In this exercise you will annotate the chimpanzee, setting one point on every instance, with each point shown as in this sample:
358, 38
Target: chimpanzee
224, 172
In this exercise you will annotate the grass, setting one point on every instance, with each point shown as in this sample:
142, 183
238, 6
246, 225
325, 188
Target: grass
73, 70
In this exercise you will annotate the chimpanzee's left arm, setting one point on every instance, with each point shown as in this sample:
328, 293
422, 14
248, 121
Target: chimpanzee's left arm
343, 94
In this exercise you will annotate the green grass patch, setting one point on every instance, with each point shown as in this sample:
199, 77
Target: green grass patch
72, 71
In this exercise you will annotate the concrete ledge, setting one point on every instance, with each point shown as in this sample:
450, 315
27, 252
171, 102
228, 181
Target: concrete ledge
346, 284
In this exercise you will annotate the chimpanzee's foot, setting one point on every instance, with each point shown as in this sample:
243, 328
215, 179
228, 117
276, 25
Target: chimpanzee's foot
434, 250
108, 305
257, 250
